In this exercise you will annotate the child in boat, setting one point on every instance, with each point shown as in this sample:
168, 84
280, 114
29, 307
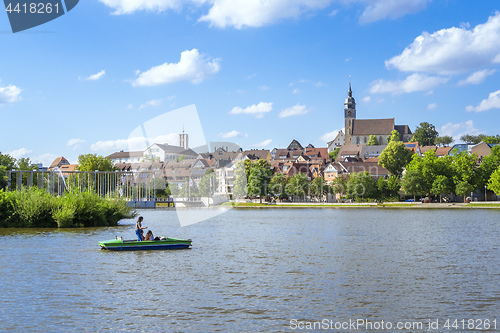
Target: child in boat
139, 228
149, 236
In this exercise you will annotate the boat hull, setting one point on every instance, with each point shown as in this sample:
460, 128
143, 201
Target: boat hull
133, 245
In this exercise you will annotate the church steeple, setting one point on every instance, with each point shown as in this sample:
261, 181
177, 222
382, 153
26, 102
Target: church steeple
349, 114
350, 104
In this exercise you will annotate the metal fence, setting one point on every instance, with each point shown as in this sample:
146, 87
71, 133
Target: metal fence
129, 185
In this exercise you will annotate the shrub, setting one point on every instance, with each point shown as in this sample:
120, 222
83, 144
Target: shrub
35, 208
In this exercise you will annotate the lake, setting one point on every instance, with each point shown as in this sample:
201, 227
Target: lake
259, 270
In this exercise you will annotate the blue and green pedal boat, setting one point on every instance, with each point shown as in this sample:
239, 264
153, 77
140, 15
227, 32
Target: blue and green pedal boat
119, 244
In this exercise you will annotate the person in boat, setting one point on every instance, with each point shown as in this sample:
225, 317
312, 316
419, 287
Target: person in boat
149, 236
139, 228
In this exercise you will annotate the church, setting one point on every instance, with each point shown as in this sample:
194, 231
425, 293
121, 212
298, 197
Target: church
358, 131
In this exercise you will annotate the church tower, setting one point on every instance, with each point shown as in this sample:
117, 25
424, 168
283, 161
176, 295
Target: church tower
349, 114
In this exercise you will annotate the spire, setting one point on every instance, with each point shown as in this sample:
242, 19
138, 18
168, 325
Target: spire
350, 91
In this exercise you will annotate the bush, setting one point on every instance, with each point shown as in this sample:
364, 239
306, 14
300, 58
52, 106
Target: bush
35, 208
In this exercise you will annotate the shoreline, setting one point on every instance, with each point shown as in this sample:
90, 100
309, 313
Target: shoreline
384, 205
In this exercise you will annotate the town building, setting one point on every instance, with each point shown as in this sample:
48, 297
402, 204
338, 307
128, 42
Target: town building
358, 131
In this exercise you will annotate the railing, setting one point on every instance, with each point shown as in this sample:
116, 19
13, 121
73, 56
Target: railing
128, 185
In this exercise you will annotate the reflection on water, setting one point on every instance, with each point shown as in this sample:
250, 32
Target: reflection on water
255, 270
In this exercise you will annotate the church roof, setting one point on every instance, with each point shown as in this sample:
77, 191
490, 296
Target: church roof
403, 129
372, 126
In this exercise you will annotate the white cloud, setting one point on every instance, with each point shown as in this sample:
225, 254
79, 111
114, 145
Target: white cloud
367, 99
75, 143
46, 159
264, 88
134, 143
130, 6
97, 76
232, 134
381, 9
451, 51
477, 77
296, 91
19, 153
192, 67
256, 109
9, 94
262, 144
413, 83
492, 102
255, 13
458, 130
245, 13
295, 110
327, 137
72, 142
432, 106
151, 103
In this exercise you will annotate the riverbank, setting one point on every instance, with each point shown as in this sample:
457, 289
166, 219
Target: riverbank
402, 205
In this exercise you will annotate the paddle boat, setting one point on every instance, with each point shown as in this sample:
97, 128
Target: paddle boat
119, 244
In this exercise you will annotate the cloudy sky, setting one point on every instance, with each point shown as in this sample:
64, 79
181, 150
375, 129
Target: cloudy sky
260, 73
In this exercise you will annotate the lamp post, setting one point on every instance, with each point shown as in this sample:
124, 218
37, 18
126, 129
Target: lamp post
485, 193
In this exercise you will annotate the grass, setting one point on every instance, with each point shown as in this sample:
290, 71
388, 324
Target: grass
362, 205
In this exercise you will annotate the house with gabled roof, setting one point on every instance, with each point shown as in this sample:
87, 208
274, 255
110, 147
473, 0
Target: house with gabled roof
58, 162
337, 142
257, 154
166, 152
126, 157
439, 151
482, 149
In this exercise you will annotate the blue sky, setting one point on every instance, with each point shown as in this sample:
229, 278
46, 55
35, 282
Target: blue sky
260, 73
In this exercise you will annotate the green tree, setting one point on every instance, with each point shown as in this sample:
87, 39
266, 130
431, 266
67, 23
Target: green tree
492, 139
494, 182
395, 157
339, 185
277, 186
240, 183
259, 178
442, 185
463, 188
298, 185
443, 140
372, 141
393, 186
175, 190
382, 187
425, 134
160, 186
318, 188
431, 166
3, 177
472, 139
412, 182
489, 164
7, 161
465, 169
394, 137
208, 183
361, 184
333, 154
93, 162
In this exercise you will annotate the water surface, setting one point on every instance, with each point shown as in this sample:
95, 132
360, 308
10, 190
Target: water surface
255, 270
